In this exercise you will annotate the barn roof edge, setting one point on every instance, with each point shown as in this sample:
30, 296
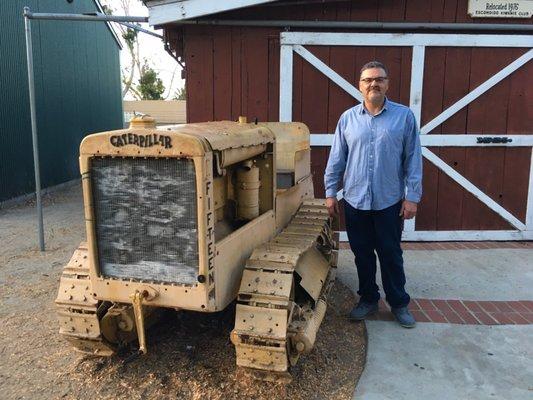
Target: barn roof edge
167, 11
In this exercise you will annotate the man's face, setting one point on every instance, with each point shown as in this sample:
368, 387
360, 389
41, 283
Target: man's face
373, 84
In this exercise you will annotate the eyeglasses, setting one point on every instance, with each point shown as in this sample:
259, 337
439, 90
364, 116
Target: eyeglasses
379, 79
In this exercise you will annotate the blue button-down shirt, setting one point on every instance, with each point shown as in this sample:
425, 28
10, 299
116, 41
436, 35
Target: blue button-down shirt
376, 159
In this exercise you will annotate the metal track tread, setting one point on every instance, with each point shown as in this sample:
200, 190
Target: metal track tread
268, 321
77, 309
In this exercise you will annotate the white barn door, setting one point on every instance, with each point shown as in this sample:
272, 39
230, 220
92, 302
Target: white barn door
294, 42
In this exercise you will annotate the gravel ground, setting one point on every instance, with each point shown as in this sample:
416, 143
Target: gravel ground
190, 355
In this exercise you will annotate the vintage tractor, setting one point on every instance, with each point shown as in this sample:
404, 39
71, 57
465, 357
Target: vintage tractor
195, 217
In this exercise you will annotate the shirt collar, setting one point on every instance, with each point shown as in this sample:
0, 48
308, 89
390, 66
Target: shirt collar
362, 110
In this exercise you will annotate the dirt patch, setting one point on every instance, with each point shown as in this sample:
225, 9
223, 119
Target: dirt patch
190, 355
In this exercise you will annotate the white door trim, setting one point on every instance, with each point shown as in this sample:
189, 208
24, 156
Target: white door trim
326, 70
294, 41
403, 39
448, 140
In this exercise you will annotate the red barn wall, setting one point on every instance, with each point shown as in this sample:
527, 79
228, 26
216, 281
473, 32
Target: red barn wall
233, 71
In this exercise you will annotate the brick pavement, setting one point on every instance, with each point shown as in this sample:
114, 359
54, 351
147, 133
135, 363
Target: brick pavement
465, 312
459, 245
457, 311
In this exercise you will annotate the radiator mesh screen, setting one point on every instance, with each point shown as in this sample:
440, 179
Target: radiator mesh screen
146, 218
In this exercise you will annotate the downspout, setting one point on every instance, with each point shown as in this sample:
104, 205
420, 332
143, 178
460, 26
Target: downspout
388, 26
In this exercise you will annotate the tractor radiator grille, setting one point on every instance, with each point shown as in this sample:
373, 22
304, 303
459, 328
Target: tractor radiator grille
146, 218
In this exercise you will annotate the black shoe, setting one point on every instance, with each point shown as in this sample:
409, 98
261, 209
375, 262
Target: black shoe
404, 317
363, 310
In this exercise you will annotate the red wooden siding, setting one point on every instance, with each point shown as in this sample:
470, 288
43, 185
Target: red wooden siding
234, 71
368, 10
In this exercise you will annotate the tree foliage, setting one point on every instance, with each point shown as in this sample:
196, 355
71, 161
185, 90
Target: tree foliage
107, 9
150, 86
180, 94
130, 36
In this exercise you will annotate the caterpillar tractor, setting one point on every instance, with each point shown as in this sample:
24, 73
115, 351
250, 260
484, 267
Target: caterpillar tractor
196, 217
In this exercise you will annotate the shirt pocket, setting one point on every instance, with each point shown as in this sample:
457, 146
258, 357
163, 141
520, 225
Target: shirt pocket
353, 137
391, 140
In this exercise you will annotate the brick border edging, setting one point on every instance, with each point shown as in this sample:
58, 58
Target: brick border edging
459, 245
465, 312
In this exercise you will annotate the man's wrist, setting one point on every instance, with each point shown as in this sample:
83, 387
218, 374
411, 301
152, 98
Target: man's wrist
412, 198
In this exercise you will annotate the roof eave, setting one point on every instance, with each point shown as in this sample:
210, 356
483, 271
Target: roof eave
168, 11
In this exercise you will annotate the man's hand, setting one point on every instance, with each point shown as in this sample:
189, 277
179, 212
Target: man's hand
333, 206
408, 209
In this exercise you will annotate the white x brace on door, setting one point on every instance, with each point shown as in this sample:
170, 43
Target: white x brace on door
294, 41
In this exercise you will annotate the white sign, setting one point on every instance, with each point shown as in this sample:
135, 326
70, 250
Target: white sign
500, 9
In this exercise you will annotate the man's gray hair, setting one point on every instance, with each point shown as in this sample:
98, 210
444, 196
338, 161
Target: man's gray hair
374, 64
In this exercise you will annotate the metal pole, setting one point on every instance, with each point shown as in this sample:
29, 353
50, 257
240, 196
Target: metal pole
138, 28
31, 84
83, 17
28, 15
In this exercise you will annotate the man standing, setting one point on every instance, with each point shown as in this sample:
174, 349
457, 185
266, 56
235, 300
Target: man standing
376, 158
